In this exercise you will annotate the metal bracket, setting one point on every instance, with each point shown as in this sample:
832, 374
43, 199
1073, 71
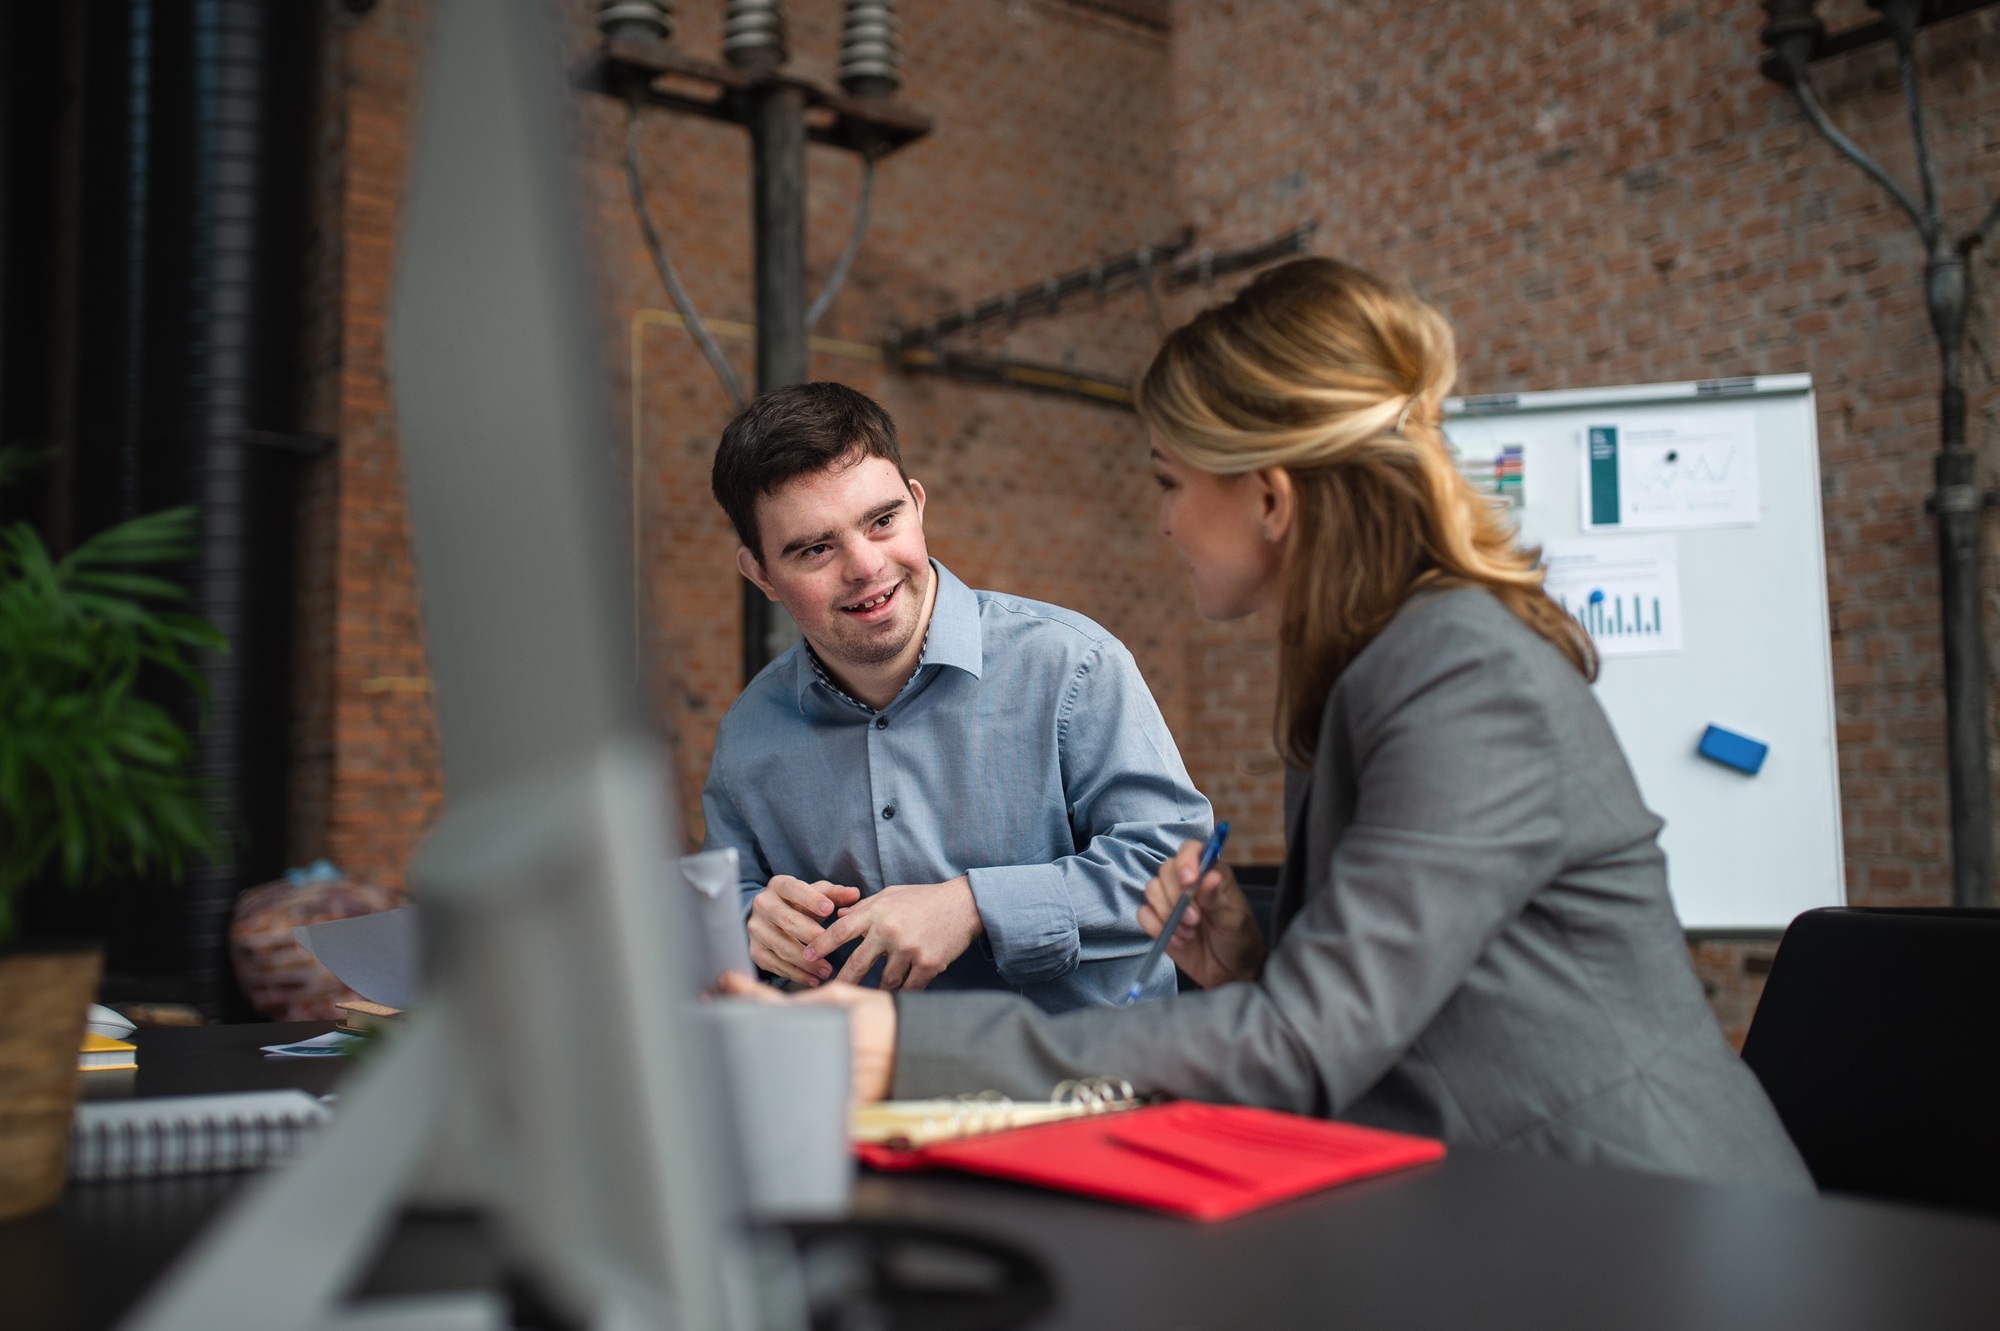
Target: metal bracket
680, 82
1035, 377
285, 441
1827, 45
1961, 499
1045, 298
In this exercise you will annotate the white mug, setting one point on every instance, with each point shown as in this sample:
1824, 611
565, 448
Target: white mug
788, 1080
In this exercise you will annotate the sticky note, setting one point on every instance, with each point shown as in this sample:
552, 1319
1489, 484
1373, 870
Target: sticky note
1730, 749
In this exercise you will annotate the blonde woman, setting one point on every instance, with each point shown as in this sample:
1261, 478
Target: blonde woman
1472, 937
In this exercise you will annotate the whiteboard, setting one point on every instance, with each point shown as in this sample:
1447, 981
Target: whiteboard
1743, 852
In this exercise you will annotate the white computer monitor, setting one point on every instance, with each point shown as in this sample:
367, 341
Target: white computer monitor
556, 1058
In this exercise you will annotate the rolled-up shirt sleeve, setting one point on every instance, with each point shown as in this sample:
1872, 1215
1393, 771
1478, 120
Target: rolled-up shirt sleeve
1131, 804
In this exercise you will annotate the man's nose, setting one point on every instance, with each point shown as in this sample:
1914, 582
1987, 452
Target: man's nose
861, 562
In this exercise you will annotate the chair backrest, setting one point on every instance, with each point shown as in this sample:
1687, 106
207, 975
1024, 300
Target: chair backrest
1878, 1040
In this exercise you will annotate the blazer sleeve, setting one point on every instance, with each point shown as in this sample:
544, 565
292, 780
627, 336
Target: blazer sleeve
1456, 824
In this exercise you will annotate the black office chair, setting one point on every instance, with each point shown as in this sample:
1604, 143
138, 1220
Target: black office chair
1878, 1039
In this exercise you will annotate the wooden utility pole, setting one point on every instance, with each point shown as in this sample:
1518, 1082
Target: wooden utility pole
753, 90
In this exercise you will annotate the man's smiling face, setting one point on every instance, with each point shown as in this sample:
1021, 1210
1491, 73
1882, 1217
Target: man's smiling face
844, 552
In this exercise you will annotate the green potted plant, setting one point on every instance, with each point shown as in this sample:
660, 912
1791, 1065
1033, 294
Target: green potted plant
94, 781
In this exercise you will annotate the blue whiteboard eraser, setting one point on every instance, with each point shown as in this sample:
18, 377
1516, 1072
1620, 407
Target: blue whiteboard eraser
1730, 749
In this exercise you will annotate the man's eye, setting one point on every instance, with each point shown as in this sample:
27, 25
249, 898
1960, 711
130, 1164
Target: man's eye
884, 521
813, 551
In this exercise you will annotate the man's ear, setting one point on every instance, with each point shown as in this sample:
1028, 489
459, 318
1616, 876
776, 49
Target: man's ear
750, 567
917, 494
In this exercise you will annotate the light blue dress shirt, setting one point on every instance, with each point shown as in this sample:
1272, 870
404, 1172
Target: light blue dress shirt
1026, 752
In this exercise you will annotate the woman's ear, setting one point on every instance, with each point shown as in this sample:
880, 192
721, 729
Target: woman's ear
1279, 497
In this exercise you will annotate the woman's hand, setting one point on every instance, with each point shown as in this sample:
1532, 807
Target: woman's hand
1218, 939
871, 1026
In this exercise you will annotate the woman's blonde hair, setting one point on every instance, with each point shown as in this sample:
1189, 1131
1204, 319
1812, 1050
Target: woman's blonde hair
1340, 379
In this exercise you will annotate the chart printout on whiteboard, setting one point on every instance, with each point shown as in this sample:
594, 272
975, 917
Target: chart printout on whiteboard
1660, 471
1625, 593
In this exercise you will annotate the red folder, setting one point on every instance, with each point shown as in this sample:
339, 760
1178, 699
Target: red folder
1206, 1162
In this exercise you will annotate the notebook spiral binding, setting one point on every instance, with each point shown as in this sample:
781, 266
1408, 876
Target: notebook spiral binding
107, 1151
916, 1122
1096, 1094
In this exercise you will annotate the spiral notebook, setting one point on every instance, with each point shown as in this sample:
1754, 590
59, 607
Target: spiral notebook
190, 1134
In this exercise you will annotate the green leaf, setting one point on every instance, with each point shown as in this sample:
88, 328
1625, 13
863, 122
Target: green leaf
94, 777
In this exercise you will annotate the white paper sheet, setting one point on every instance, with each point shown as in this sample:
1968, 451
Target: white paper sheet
334, 1044
1652, 472
718, 907
378, 956
1626, 593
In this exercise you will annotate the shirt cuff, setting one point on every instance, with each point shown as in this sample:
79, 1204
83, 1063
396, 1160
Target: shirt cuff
1029, 921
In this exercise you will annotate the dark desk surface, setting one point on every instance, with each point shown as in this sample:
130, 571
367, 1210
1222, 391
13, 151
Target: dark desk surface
1484, 1240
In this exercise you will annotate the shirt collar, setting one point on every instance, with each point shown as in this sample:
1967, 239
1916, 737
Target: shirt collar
954, 632
952, 639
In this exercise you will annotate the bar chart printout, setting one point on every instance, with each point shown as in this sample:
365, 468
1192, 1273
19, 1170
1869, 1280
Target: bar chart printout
1625, 593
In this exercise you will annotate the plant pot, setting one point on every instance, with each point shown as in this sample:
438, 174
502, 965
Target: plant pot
44, 999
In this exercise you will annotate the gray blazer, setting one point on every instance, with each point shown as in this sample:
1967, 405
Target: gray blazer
1473, 939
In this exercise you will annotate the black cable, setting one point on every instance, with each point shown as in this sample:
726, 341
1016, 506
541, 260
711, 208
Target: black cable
665, 266
838, 277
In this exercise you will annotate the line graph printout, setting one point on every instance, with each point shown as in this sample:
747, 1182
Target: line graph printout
1670, 471
1626, 594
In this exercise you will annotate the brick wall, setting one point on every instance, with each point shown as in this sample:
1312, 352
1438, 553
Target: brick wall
1595, 193
1608, 193
1048, 154
366, 781
1051, 151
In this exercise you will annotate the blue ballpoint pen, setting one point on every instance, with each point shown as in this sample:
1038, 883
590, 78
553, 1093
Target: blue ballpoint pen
1210, 853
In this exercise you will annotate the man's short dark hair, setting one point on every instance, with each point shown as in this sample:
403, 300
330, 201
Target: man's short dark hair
795, 431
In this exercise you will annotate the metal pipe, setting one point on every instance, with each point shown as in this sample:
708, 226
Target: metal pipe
777, 122
778, 200
138, 159
1795, 36
836, 279
670, 277
230, 122
229, 90
1959, 504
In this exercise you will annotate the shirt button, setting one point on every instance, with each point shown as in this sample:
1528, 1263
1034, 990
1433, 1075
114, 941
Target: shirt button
881, 723
888, 811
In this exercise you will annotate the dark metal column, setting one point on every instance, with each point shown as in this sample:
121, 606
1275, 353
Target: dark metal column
228, 39
1958, 505
777, 122
228, 330
750, 91
1797, 37
778, 171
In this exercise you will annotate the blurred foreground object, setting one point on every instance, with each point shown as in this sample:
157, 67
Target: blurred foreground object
43, 1001
164, 1014
95, 779
556, 1077
280, 978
